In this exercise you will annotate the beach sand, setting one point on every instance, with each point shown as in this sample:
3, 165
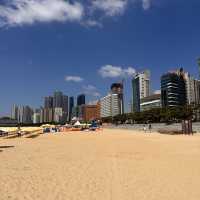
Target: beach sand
107, 165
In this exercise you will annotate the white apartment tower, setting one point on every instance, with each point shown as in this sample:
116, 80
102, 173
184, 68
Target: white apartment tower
110, 106
190, 88
141, 88
144, 83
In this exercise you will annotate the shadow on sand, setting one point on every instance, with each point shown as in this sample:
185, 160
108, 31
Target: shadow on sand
6, 147
12, 137
33, 136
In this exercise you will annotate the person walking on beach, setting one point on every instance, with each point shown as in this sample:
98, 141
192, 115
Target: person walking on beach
145, 128
19, 132
150, 128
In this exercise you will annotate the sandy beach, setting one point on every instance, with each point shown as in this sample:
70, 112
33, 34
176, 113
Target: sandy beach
107, 165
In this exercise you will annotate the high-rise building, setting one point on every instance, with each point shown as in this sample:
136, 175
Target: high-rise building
41, 115
115, 105
28, 115
109, 105
58, 115
173, 89
14, 112
53, 106
192, 89
71, 105
65, 108
36, 116
58, 99
48, 102
25, 115
48, 115
47, 111
141, 88
117, 88
75, 112
81, 100
197, 91
106, 106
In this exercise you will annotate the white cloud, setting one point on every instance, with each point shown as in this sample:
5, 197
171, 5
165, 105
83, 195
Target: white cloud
130, 71
73, 79
92, 23
89, 87
91, 90
90, 13
20, 12
110, 71
110, 7
146, 4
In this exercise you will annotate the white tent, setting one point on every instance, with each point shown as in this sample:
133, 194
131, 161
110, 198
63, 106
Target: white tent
77, 123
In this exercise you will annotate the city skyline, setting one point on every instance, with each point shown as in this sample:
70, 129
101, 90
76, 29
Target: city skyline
89, 89
43, 56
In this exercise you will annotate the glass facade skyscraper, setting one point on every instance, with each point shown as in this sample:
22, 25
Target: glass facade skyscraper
141, 88
81, 100
71, 105
173, 89
136, 94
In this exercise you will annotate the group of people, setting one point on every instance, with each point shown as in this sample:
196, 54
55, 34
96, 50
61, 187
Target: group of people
147, 126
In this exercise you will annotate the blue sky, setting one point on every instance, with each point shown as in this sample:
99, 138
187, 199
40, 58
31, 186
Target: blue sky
69, 45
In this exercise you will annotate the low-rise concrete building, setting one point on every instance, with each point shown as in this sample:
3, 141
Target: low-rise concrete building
150, 102
91, 112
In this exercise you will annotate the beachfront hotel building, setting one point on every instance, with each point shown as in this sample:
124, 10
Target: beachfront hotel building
110, 105
173, 89
141, 88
